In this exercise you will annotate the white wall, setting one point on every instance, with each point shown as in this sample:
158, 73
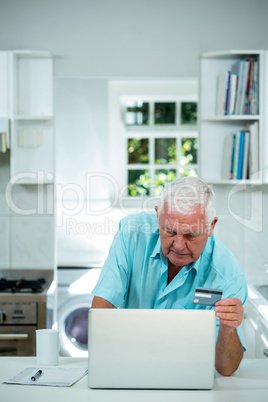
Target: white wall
132, 38
82, 132
243, 226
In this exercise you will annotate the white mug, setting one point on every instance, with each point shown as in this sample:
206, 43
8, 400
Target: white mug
47, 347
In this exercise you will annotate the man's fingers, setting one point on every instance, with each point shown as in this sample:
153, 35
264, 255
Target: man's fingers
231, 324
229, 309
228, 316
232, 301
229, 312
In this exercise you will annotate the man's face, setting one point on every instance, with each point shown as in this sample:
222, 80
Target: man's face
183, 237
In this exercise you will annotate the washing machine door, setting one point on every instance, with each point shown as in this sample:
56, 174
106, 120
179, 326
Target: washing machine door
73, 325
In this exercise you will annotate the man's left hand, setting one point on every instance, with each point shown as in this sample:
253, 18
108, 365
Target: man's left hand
230, 312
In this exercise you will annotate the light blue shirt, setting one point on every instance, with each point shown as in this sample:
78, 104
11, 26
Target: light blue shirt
136, 271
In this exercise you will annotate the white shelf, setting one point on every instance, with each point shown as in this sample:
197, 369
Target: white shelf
32, 117
32, 53
233, 182
243, 117
29, 182
230, 53
213, 128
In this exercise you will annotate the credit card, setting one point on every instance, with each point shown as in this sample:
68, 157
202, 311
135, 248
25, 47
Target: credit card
206, 296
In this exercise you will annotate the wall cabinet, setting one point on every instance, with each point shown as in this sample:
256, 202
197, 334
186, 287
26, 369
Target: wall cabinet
31, 113
215, 127
255, 328
27, 166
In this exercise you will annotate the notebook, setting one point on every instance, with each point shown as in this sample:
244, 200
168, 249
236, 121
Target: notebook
151, 349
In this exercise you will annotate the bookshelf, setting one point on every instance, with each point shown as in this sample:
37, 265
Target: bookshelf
217, 123
27, 219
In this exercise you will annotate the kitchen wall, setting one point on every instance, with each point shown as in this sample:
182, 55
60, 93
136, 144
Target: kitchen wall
132, 38
146, 38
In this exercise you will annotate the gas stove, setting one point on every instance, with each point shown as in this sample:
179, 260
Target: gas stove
25, 281
22, 285
23, 309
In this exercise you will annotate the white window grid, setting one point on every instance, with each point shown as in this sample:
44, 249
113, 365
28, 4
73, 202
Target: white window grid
153, 131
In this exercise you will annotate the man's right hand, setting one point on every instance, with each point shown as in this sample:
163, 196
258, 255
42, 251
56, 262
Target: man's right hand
99, 302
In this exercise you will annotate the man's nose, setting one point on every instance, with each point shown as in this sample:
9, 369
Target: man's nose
179, 242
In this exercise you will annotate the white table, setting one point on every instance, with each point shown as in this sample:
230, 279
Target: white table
248, 384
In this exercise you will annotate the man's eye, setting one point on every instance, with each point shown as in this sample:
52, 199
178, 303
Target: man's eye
191, 236
169, 232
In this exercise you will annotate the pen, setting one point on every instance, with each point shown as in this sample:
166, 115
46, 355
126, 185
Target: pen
37, 375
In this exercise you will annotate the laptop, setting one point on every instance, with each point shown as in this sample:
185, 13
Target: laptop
151, 349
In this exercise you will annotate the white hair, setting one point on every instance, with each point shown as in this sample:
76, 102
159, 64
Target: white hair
184, 194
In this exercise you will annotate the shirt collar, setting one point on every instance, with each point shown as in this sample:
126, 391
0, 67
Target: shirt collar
157, 249
196, 263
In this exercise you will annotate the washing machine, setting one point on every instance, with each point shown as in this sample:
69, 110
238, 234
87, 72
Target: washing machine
74, 300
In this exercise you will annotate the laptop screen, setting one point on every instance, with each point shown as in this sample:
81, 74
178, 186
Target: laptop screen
154, 349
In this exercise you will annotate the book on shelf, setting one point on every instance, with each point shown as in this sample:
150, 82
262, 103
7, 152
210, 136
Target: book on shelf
254, 149
222, 92
232, 94
236, 153
241, 154
238, 68
4, 134
3, 142
245, 167
238, 88
243, 88
228, 152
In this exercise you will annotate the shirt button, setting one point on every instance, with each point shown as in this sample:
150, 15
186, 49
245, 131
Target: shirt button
163, 298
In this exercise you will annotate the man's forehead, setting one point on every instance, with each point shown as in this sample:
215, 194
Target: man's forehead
168, 222
195, 215
183, 210
189, 223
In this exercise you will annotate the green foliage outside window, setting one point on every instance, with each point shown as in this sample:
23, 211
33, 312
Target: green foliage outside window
164, 113
165, 151
189, 148
138, 151
162, 177
188, 172
188, 113
138, 182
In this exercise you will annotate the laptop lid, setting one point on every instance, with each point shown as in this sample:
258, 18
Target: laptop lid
153, 349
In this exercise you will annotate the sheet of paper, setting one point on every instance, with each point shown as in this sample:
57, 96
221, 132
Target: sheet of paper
51, 376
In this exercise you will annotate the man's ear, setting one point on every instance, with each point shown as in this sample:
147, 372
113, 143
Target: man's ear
212, 226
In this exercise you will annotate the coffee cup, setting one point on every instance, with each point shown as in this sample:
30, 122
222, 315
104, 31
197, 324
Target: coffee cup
47, 347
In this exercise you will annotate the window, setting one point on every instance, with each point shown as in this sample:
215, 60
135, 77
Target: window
165, 149
157, 134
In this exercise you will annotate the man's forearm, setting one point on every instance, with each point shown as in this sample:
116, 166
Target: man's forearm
229, 351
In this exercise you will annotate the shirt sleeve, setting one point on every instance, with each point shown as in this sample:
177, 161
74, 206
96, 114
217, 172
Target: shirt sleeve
235, 288
114, 279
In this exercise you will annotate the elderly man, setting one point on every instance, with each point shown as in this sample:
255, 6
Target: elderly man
158, 259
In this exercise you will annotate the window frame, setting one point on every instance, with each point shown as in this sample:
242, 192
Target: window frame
149, 91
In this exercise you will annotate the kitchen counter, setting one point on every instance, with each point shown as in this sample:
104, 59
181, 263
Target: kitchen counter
249, 383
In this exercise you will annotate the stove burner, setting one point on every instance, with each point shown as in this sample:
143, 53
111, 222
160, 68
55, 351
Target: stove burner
22, 285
